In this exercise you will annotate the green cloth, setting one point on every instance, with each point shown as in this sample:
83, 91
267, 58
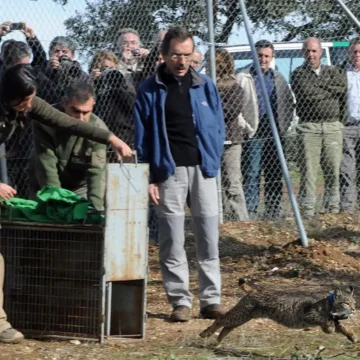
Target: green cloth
53, 205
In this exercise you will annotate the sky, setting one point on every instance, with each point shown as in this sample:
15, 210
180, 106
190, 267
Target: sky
47, 19
44, 16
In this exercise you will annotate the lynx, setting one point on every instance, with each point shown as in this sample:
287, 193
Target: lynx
291, 312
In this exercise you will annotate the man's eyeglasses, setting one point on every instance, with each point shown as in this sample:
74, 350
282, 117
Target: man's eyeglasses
177, 57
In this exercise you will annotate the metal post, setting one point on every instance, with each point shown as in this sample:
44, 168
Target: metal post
3, 165
349, 13
270, 114
210, 18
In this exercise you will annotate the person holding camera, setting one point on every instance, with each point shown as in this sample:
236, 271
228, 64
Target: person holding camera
102, 62
59, 71
130, 53
39, 55
115, 96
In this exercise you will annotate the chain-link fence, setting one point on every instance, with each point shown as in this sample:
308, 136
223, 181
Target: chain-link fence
313, 90
308, 87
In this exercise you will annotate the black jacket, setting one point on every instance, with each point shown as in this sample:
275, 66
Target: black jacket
115, 100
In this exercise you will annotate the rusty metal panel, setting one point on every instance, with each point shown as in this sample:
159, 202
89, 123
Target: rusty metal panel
126, 241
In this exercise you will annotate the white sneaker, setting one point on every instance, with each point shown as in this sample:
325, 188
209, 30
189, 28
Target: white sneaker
11, 336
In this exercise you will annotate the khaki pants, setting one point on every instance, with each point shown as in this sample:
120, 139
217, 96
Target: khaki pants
3, 323
320, 145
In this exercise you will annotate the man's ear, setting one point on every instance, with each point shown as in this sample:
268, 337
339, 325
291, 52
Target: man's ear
63, 101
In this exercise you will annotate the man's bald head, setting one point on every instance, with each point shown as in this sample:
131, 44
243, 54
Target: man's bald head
312, 40
312, 52
196, 60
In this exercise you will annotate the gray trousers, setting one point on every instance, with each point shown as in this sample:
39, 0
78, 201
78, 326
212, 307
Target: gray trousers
231, 177
188, 185
350, 169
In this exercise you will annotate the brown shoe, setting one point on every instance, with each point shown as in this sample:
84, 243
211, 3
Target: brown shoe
214, 311
180, 313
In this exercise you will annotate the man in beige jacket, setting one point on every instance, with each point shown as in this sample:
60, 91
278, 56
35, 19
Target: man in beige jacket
260, 153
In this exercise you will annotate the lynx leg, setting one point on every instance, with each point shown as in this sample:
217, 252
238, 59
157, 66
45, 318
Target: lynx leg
238, 315
349, 333
328, 327
211, 329
224, 332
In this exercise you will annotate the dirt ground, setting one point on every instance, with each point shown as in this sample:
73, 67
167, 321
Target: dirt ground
267, 255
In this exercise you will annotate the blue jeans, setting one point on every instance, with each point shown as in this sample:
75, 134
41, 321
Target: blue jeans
260, 155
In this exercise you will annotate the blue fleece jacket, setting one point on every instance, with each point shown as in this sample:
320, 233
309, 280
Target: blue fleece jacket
151, 139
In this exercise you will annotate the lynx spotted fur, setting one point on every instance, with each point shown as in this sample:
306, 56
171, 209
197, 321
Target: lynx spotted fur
291, 312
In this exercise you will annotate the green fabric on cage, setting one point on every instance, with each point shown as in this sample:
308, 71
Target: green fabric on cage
53, 205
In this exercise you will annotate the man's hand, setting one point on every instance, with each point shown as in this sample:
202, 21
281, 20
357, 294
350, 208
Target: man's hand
28, 31
154, 194
127, 55
6, 192
54, 62
121, 148
144, 52
95, 73
5, 28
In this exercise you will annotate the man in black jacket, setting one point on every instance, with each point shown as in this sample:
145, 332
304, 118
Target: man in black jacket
319, 90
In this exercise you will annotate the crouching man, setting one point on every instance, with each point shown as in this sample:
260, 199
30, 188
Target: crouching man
66, 161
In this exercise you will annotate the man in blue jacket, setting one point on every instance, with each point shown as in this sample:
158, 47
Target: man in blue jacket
180, 132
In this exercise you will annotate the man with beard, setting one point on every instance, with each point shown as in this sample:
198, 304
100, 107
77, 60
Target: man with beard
319, 90
180, 132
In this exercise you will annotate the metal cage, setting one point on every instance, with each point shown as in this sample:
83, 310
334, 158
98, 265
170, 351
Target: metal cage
54, 278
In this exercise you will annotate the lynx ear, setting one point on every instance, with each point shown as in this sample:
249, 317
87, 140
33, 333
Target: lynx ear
350, 290
337, 292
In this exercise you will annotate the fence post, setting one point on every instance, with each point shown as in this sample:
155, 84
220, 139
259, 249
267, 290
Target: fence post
270, 114
349, 13
3, 165
211, 40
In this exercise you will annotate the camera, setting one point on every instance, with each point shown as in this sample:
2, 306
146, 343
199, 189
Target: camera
112, 75
17, 26
105, 69
65, 60
135, 52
